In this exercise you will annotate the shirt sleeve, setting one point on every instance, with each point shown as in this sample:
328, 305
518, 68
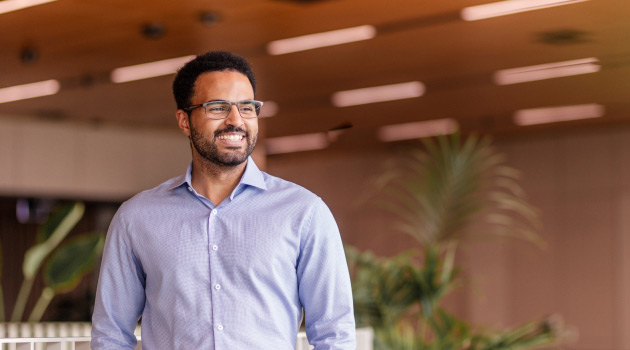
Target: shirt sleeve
324, 284
120, 293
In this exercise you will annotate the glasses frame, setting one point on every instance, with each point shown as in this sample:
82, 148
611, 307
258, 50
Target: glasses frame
213, 102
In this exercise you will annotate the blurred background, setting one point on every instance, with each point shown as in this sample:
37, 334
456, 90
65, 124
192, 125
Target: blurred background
86, 113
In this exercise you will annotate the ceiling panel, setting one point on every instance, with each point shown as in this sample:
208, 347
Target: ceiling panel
79, 42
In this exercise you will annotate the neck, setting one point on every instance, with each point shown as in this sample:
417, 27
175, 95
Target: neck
215, 181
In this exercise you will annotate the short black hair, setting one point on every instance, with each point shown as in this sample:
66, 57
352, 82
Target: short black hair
213, 61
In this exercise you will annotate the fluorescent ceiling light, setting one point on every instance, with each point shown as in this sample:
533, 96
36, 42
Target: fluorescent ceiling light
297, 143
22, 92
547, 71
313, 41
378, 94
415, 130
149, 70
14, 5
509, 7
558, 114
269, 109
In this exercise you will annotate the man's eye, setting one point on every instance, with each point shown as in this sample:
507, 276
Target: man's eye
217, 109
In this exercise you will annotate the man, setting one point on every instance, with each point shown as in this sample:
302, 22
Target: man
225, 256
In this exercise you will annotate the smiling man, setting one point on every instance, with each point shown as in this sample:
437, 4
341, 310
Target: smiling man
225, 256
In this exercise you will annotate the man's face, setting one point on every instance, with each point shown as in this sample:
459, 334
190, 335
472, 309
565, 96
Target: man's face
225, 142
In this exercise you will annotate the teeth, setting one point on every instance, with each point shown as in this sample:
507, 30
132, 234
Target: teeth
231, 137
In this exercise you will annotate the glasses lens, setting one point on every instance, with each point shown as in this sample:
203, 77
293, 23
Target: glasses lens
217, 109
249, 109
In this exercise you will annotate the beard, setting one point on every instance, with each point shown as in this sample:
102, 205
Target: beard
207, 148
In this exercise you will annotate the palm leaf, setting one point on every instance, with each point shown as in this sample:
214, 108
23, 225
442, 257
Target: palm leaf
443, 183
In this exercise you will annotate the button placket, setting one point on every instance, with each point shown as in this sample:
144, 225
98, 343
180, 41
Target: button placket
214, 248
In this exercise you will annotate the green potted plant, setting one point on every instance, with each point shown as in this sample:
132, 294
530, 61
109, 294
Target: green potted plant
436, 190
64, 261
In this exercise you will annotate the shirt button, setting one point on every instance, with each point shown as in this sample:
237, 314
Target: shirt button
217, 286
214, 212
189, 188
220, 327
215, 247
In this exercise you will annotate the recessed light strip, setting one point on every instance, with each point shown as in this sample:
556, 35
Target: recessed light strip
508, 7
14, 5
415, 130
547, 71
32, 90
378, 94
296, 143
149, 70
558, 114
312, 41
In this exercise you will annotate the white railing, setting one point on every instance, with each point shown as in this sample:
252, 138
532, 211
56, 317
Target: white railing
45, 335
76, 336
364, 340
71, 343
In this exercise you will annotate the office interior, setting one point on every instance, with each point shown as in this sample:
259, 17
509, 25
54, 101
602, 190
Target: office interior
548, 83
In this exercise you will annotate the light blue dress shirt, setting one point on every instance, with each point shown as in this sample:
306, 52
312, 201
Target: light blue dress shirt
235, 276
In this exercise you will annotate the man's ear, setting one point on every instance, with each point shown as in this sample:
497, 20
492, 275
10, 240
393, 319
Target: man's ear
183, 121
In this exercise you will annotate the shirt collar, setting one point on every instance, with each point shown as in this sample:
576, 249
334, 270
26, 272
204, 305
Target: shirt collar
252, 177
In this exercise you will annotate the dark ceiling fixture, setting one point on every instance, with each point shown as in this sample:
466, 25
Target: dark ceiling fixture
153, 30
29, 55
563, 37
342, 126
209, 18
87, 81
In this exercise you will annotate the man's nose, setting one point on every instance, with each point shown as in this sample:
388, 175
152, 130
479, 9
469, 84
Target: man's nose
234, 117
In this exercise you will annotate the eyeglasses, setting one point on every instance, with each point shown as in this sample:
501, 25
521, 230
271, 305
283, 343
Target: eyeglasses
220, 109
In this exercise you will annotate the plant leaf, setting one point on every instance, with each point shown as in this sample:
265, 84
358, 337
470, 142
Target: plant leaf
72, 261
54, 230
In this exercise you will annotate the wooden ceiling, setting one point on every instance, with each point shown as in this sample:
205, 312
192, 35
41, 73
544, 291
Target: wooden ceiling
79, 42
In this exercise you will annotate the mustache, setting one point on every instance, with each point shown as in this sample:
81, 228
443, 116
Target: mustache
231, 128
